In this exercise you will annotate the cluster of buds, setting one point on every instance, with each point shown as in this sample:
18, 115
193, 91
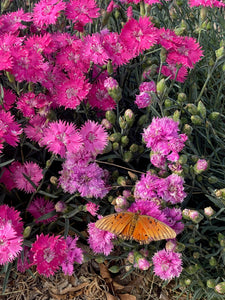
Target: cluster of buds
138, 260
193, 215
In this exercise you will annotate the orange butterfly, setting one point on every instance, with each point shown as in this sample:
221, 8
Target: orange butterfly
134, 226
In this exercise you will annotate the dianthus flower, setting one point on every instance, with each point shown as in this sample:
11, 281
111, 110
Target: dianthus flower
43, 44
170, 70
98, 96
144, 99
72, 91
9, 99
173, 218
11, 236
149, 208
94, 136
34, 129
143, 264
7, 176
167, 264
46, 12
49, 252
24, 260
206, 3
100, 241
60, 137
12, 22
32, 171
7, 43
138, 36
9, 128
174, 192
73, 254
40, 207
87, 180
92, 208
82, 11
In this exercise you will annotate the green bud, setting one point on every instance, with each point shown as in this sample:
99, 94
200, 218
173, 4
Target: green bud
179, 2
10, 77
201, 109
124, 141
114, 269
115, 146
115, 174
122, 123
127, 156
180, 247
220, 52
187, 281
192, 109
214, 116
100, 259
203, 13
183, 159
212, 261
116, 94
27, 231
161, 87
121, 181
212, 179
176, 116
220, 288
142, 120
196, 255
191, 241
108, 148
134, 148
168, 103
187, 129
182, 97
109, 67
115, 137
211, 283
191, 269
209, 26
141, 149
163, 55
222, 243
153, 70
196, 120
110, 199
200, 283
117, 14
179, 30
129, 117
111, 116
220, 237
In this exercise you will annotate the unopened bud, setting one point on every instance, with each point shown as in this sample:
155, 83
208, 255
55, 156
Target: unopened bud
115, 146
122, 122
105, 123
121, 181
187, 281
114, 269
220, 52
196, 120
211, 283
181, 98
209, 212
220, 288
115, 137
129, 117
110, 116
176, 115
163, 55
54, 180
212, 261
127, 156
161, 87
192, 109
134, 148
187, 129
60, 206
109, 64
142, 120
212, 179
108, 147
201, 109
200, 166
214, 116
27, 231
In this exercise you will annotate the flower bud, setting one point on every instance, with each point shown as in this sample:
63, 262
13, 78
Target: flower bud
115, 137
187, 129
141, 149
220, 237
121, 181
114, 269
116, 94
195, 216
130, 257
105, 123
196, 255
111, 116
212, 261
201, 109
54, 180
108, 147
143, 264
133, 176
180, 247
10, 77
187, 281
214, 116
109, 64
27, 231
134, 148
220, 288
176, 115
212, 179
203, 13
163, 55
127, 156
220, 52
142, 120
183, 159
209, 212
115, 146
161, 87
129, 117
168, 103
181, 98
211, 283
200, 166
124, 141
192, 109
122, 122
196, 120
171, 245
60, 206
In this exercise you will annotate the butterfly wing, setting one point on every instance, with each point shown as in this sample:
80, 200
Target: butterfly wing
116, 223
149, 229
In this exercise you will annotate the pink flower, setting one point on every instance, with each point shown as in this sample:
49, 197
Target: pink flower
94, 136
9, 128
40, 207
206, 3
9, 99
49, 252
200, 166
32, 171
100, 241
143, 264
173, 218
138, 36
24, 260
174, 192
88, 180
11, 236
73, 254
92, 208
60, 137
41, 43
12, 22
167, 264
46, 12
143, 100
82, 11
34, 129
170, 70
7, 176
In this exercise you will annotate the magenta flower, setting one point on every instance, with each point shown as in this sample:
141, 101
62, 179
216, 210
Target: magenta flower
200, 166
94, 136
170, 70
167, 264
92, 208
49, 252
9, 99
174, 192
144, 98
60, 137
12, 22
138, 36
206, 3
32, 171
143, 264
9, 128
73, 254
173, 218
11, 236
46, 12
82, 11
34, 129
24, 261
40, 207
100, 241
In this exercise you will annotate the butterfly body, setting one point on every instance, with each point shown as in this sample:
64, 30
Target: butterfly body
133, 226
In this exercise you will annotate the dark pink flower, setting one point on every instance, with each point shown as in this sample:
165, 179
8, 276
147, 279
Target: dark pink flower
173, 218
9, 128
82, 11
173, 72
40, 207
100, 241
46, 12
49, 252
92, 208
9, 99
60, 137
167, 264
206, 3
24, 260
34, 129
12, 22
174, 192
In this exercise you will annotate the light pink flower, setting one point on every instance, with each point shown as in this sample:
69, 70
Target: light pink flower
92, 208
49, 252
143, 264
